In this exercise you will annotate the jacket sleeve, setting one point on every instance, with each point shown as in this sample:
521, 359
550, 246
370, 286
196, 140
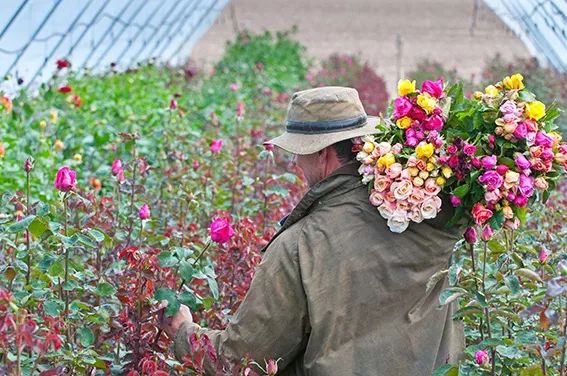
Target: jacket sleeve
271, 322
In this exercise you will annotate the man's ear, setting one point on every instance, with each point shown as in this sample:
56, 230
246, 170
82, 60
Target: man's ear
322, 156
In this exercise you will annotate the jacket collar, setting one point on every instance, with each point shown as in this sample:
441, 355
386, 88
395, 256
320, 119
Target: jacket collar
336, 184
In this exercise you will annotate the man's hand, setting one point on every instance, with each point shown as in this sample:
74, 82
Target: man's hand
171, 325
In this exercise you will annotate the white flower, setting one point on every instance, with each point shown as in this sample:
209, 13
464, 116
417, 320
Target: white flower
430, 207
398, 222
386, 211
401, 189
415, 214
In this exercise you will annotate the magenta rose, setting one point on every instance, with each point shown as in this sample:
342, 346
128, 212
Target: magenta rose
402, 107
66, 179
481, 357
521, 131
492, 180
521, 201
116, 167
221, 231
469, 149
144, 212
216, 146
521, 162
487, 233
451, 149
489, 162
455, 201
543, 139
434, 88
434, 123
526, 185
547, 153
470, 235
417, 113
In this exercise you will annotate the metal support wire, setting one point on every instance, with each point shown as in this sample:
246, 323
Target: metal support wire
177, 29
115, 38
87, 28
13, 18
25, 48
160, 25
145, 25
549, 20
64, 35
184, 41
128, 3
542, 45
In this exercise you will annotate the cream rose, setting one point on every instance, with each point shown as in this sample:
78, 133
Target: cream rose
415, 214
401, 189
430, 207
386, 211
398, 222
511, 179
376, 198
382, 183
431, 187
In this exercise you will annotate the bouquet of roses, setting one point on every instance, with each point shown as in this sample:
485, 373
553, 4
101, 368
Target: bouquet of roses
491, 154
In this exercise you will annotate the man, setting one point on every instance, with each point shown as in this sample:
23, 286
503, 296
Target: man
337, 293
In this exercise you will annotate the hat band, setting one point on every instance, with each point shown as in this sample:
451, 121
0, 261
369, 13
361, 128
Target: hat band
324, 126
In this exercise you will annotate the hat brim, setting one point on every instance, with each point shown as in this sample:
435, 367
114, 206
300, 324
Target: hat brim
302, 144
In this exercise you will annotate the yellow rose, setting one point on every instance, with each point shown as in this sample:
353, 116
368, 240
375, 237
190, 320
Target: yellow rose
54, 116
405, 87
43, 124
404, 122
430, 166
477, 95
440, 181
386, 160
514, 82
58, 145
417, 181
491, 91
535, 110
424, 150
414, 171
447, 172
78, 157
427, 102
368, 147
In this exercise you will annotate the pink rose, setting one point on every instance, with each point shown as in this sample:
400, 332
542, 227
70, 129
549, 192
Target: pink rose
412, 141
543, 139
417, 196
434, 88
144, 212
434, 123
470, 235
66, 179
216, 146
487, 233
376, 198
116, 167
451, 149
491, 140
271, 367
394, 170
430, 207
480, 213
402, 107
431, 187
233, 86
492, 196
403, 205
508, 107
382, 183
196, 165
240, 109
172, 104
491, 180
542, 256
547, 153
469, 149
512, 224
415, 214
401, 189
476, 162
397, 148
481, 357
489, 162
521, 201
220, 230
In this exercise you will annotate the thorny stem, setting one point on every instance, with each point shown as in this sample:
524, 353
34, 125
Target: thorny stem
471, 250
486, 312
28, 210
132, 195
66, 253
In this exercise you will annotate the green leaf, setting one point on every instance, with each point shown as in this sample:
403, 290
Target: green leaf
186, 271
104, 289
510, 352
85, 335
52, 307
97, 235
450, 294
521, 213
214, 287
21, 225
446, 370
527, 273
526, 96
495, 246
56, 269
166, 259
462, 190
38, 226
85, 240
171, 297
497, 220
513, 283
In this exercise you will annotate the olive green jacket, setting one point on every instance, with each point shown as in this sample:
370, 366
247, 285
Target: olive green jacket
337, 293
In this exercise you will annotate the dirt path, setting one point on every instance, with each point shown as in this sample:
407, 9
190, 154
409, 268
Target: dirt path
436, 29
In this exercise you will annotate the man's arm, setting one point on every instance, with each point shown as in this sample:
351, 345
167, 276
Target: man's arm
272, 320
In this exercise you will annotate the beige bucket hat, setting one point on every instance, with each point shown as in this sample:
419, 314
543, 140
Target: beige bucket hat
317, 118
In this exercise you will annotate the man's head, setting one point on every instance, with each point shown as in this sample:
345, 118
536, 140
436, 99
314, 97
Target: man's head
320, 123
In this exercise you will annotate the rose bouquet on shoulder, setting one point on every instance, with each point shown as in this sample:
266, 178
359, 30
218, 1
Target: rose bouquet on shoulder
492, 155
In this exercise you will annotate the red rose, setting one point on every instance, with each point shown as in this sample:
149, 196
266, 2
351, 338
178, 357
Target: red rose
480, 213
